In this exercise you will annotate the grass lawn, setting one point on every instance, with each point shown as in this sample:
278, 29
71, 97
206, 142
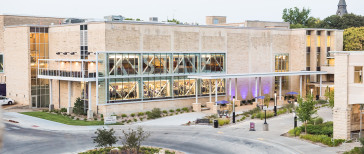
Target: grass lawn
62, 119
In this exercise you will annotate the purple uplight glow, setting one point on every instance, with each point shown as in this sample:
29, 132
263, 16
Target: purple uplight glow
244, 92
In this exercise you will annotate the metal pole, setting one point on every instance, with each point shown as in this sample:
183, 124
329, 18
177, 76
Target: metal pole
360, 122
236, 88
265, 116
280, 88
275, 104
233, 109
320, 85
230, 94
196, 91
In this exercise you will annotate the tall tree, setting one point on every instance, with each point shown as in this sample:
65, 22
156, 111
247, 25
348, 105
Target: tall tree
299, 18
354, 39
344, 22
306, 109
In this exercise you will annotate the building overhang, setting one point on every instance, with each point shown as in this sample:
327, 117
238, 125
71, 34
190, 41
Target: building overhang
249, 75
66, 78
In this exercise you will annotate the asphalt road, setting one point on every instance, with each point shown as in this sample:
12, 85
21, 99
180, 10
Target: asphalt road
231, 139
20, 140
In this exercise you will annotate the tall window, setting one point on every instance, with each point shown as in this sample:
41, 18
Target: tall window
1, 63
38, 40
216, 21
358, 74
83, 41
281, 65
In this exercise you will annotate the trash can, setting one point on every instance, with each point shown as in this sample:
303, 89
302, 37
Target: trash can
216, 123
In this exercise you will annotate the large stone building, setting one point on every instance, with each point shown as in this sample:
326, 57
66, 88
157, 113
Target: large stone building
349, 93
341, 8
125, 67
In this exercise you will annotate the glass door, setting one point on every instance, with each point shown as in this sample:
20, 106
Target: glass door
34, 101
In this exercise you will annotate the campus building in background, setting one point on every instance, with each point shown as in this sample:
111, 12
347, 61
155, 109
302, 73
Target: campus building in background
125, 66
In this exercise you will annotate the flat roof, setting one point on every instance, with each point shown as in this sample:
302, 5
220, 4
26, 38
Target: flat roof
248, 75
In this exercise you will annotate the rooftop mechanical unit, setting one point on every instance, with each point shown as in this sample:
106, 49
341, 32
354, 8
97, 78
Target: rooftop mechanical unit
115, 18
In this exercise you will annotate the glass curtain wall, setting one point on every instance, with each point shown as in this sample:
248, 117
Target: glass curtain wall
205, 89
281, 65
38, 40
147, 76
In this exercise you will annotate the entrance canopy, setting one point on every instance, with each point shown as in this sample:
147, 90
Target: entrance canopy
248, 75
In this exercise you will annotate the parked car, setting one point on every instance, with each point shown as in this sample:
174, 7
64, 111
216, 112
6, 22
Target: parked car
4, 100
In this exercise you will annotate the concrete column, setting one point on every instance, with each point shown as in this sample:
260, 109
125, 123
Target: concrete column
280, 88
301, 85
320, 85
230, 94
69, 108
210, 91
260, 86
215, 90
236, 88
90, 114
256, 90
51, 105
196, 106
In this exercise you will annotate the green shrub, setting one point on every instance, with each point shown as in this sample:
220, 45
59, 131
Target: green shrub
296, 130
321, 101
135, 120
186, 109
102, 116
242, 118
321, 129
123, 115
156, 113
72, 117
102, 119
171, 110
141, 119
77, 119
63, 110
148, 112
253, 116
85, 119
356, 150
64, 114
178, 110
318, 121
129, 121
78, 107
140, 114
222, 121
323, 139
132, 115
165, 111
95, 119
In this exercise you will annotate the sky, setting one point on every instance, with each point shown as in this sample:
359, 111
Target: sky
190, 11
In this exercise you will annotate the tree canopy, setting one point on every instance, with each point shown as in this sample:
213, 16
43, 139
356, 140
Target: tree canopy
299, 18
354, 39
344, 22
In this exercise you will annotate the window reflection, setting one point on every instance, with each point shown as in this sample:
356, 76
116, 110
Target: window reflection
205, 86
211, 63
156, 87
183, 86
123, 89
156, 63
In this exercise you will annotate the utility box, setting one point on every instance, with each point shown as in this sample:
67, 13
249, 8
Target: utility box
114, 18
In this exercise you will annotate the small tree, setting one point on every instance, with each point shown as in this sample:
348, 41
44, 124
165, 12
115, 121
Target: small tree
330, 97
266, 100
78, 107
132, 139
306, 109
105, 137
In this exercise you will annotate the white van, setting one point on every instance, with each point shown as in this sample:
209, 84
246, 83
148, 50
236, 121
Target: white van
4, 100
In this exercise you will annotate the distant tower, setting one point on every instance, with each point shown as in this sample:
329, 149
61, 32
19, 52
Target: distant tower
341, 8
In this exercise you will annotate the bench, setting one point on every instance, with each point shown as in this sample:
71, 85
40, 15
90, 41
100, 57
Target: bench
203, 121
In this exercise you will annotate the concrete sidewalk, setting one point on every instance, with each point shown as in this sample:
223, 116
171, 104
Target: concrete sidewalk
42, 124
176, 120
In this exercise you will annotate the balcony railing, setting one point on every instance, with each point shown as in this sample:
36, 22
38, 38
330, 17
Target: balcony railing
70, 69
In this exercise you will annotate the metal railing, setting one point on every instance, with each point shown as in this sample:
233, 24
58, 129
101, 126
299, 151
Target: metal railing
66, 68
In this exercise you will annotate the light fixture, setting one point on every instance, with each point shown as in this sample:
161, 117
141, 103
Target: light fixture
88, 53
65, 53
58, 53
73, 53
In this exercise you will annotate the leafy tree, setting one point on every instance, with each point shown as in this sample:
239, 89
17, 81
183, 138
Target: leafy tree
299, 18
266, 100
78, 107
131, 19
329, 94
306, 109
344, 22
105, 137
354, 39
132, 139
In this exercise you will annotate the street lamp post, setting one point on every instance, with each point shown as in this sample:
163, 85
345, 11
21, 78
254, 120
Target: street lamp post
233, 109
295, 120
275, 103
311, 91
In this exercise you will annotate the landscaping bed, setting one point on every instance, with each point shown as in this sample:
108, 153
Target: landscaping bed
61, 116
144, 150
